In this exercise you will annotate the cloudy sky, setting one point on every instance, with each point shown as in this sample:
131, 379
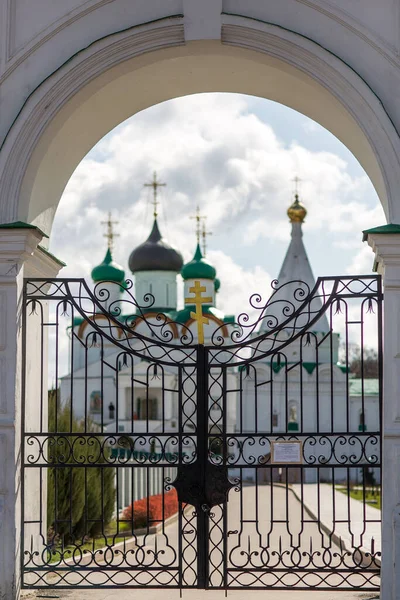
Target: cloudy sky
235, 156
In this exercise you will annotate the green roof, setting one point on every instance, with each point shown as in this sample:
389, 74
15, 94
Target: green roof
229, 319
108, 270
77, 321
371, 387
22, 225
389, 228
198, 267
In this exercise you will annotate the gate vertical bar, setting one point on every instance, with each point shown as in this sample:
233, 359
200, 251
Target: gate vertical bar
202, 448
23, 428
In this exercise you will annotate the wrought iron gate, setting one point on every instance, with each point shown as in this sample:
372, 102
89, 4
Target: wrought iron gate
252, 461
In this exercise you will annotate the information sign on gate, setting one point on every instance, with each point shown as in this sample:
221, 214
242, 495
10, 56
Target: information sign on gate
286, 452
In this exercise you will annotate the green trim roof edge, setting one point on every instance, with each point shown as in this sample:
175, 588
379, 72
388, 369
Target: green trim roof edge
389, 228
22, 225
58, 261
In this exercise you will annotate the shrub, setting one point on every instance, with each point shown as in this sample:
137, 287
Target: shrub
80, 501
149, 511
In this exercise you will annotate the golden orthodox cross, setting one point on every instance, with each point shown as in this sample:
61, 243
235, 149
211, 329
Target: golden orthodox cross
155, 185
199, 219
204, 234
197, 289
296, 181
110, 235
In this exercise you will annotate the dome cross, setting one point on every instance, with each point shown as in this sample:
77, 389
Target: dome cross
110, 235
296, 180
199, 218
204, 234
155, 185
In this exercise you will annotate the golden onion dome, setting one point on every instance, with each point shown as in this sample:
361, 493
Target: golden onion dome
296, 212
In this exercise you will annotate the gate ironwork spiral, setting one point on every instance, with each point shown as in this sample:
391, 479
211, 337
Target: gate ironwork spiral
252, 461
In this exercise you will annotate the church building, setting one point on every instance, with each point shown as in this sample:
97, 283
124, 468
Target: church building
123, 394
305, 386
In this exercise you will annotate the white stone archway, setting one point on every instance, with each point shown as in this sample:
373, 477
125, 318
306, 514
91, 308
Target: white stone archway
123, 73
127, 72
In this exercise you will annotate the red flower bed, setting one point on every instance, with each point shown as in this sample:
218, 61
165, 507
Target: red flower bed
149, 511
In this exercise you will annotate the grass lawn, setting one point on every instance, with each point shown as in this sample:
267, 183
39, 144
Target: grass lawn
357, 494
94, 544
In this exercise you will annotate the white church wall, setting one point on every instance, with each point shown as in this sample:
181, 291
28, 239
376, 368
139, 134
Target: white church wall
318, 405
87, 386
84, 349
160, 284
108, 295
148, 391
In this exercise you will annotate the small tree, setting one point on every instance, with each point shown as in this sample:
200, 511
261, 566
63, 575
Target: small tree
363, 363
80, 501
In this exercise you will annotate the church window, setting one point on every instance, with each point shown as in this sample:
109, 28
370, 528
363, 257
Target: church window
293, 412
146, 408
95, 402
293, 421
275, 420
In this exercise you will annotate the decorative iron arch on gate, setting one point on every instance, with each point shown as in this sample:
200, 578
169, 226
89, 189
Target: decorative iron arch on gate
243, 462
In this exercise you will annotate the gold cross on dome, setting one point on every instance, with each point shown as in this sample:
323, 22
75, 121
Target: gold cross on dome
296, 180
197, 289
199, 218
155, 185
110, 235
204, 234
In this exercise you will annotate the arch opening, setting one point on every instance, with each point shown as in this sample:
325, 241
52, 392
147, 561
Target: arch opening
140, 82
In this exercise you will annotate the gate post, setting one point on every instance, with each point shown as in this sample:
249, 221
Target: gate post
385, 242
20, 256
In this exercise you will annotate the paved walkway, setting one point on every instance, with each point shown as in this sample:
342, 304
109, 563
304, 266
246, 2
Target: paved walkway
303, 529
353, 526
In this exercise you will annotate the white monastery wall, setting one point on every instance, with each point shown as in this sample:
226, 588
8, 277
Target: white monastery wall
38, 37
364, 34
44, 34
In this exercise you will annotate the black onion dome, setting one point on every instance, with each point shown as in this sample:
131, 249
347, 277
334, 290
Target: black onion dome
155, 255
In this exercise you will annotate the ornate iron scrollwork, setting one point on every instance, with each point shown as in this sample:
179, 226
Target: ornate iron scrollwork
210, 492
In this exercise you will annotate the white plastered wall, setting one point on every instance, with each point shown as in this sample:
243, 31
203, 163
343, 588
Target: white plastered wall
84, 85
70, 71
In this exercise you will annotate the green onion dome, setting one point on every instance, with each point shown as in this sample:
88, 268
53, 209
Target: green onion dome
198, 267
108, 270
217, 284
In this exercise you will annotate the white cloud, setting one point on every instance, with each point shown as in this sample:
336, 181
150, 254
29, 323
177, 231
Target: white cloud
310, 126
213, 153
238, 284
362, 262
